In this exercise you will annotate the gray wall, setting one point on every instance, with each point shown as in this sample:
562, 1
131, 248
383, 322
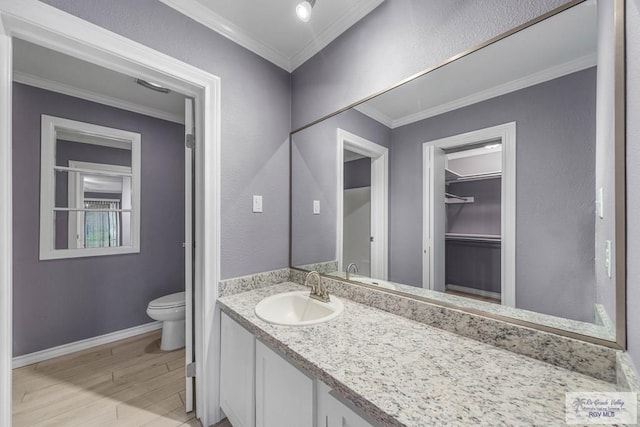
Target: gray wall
633, 178
315, 178
480, 217
61, 301
555, 128
255, 115
395, 41
357, 173
473, 265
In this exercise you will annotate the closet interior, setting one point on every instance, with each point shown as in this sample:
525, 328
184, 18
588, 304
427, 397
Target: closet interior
473, 180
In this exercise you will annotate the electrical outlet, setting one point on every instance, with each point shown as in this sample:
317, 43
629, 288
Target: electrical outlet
316, 207
257, 204
607, 258
600, 202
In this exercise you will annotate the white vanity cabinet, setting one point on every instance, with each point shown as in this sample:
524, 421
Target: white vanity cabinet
260, 388
284, 394
237, 373
332, 412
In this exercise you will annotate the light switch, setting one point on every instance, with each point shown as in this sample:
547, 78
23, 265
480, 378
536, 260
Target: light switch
257, 204
316, 207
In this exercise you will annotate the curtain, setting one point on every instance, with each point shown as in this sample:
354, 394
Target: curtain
102, 228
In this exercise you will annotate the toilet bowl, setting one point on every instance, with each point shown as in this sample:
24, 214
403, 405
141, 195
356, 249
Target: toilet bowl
169, 309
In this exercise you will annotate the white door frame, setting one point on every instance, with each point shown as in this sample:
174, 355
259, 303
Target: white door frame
39, 23
379, 199
189, 157
507, 134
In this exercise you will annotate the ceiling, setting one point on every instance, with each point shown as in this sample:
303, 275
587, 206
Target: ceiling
48, 69
271, 28
560, 45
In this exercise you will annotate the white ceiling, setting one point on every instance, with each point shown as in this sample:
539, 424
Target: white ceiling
271, 28
560, 45
41, 67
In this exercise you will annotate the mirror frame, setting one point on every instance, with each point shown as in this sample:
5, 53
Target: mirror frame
619, 154
89, 134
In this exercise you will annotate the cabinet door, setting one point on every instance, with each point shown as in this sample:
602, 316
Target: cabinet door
284, 394
237, 374
333, 413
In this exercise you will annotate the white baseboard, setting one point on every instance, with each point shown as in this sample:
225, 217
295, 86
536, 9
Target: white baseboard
479, 292
50, 353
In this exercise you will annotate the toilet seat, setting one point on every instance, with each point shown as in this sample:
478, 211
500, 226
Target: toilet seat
168, 301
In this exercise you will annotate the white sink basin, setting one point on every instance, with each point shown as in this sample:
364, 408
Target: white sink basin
297, 309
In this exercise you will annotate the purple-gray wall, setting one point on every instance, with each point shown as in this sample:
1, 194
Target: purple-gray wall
633, 178
555, 131
255, 113
357, 173
480, 217
473, 264
314, 174
398, 39
60, 301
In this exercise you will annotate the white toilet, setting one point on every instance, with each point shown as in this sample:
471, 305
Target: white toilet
169, 309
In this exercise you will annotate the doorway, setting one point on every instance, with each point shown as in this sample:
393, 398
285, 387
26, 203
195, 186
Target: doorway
49, 27
438, 197
379, 204
357, 213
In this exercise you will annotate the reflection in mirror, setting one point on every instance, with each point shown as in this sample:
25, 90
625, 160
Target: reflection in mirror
498, 195
95, 173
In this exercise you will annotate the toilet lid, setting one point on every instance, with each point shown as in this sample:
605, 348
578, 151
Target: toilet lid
168, 301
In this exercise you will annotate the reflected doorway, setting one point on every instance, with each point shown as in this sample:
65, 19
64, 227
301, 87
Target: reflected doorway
453, 232
357, 212
378, 158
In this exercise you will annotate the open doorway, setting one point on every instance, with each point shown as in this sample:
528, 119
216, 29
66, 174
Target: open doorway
378, 158
473, 176
469, 214
48, 27
357, 213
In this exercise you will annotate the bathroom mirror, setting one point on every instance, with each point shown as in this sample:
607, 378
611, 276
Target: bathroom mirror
90, 190
493, 183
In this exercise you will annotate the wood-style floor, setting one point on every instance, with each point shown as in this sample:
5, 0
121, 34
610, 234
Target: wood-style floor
125, 383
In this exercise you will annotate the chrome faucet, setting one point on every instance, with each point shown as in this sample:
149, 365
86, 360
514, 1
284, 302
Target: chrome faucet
318, 290
355, 269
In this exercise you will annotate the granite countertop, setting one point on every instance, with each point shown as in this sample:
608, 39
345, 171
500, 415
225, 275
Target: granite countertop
403, 373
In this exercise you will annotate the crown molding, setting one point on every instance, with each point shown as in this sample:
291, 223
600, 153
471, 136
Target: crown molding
512, 86
548, 74
205, 16
228, 29
332, 32
39, 82
375, 114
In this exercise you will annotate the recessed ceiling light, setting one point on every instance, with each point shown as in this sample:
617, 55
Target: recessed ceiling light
303, 10
152, 86
492, 146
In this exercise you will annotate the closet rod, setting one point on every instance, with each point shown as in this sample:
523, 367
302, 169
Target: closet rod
453, 196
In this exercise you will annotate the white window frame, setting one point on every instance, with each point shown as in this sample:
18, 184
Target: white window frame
88, 133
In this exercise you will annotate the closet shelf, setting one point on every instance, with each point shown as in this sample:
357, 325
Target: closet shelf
451, 176
493, 238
